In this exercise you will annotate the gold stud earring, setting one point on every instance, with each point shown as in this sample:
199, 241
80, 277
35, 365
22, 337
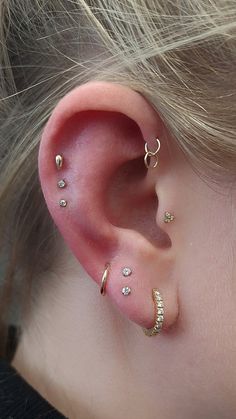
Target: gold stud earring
59, 161
159, 314
151, 154
168, 217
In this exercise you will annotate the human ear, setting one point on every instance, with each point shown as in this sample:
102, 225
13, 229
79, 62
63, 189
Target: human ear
111, 209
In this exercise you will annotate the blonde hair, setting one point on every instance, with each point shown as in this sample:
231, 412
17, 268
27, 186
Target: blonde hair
180, 55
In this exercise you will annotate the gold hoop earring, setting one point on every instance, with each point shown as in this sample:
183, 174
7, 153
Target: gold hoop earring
153, 153
149, 154
147, 160
104, 279
159, 314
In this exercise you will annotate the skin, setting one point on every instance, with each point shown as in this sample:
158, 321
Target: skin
86, 353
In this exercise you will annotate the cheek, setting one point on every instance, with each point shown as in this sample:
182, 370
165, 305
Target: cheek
205, 269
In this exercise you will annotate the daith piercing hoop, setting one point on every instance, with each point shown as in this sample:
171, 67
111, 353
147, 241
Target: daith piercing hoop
104, 279
159, 314
149, 154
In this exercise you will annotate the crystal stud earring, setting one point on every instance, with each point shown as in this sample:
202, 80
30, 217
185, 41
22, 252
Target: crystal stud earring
63, 203
126, 271
126, 290
61, 184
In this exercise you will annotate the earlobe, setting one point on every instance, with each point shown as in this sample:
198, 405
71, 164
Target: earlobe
97, 189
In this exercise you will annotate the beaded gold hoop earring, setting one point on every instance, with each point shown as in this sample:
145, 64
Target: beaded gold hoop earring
159, 314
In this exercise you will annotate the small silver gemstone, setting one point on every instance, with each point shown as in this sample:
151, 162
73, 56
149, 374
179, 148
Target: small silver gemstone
126, 290
160, 311
61, 183
159, 298
63, 203
127, 271
160, 304
160, 318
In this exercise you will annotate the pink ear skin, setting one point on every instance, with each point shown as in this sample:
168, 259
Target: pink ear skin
100, 130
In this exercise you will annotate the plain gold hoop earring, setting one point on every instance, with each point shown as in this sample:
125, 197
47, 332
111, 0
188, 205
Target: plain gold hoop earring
104, 279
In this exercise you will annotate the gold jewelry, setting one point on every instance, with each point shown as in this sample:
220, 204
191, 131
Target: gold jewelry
104, 279
159, 314
149, 154
168, 217
59, 161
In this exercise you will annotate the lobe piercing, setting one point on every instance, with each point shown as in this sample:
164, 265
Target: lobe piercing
61, 184
168, 217
104, 279
126, 290
59, 161
159, 314
63, 203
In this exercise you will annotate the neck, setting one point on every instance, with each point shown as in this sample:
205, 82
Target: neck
85, 358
